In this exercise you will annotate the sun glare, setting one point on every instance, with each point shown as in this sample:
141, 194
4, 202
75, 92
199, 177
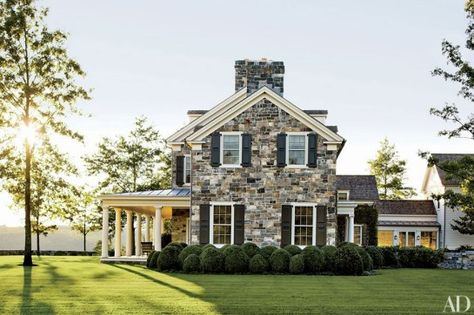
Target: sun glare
27, 132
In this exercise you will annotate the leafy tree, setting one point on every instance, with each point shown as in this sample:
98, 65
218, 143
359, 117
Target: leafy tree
41, 229
389, 171
88, 218
462, 169
38, 88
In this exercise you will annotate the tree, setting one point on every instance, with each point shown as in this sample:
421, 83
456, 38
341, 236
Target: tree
88, 218
389, 171
461, 73
38, 88
131, 163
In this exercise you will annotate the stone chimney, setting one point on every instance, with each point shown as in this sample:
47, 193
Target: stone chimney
255, 74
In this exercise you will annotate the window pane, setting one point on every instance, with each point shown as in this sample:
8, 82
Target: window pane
411, 239
402, 239
231, 157
428, 239
358, 234
296, 142
385, 238
296, 157
222, 224
231, 142
303, 226
342, 196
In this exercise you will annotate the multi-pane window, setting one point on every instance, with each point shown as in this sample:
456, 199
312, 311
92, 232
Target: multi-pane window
187, 169
429, 239
231, 149
385, 237
222, 224
342, 195
358, 230
303, 226
406, 239
296, 149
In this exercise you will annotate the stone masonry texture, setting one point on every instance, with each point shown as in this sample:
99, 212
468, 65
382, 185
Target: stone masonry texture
256, 74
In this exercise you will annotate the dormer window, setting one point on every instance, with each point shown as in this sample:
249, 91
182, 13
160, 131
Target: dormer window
343, 195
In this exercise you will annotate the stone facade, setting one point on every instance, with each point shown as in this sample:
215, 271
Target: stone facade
179, 223
257, 74
263, 188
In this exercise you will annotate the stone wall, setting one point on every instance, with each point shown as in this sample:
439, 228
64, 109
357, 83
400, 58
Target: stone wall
178, 222
259, 73
458, 260
264, 187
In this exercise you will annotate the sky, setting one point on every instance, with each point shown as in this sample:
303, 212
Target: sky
367, 62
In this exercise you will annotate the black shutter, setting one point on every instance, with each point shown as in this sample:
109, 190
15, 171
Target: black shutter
239, 224
246, 150
312, 149
286, 225
180, 170
216, 149
281, 150
204, 224
321, 221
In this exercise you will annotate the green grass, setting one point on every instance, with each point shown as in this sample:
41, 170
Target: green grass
83, 285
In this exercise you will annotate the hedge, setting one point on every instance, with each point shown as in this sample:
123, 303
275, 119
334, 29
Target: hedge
280, 261
250, 249
297, 264
376, 255
236, 260
329, 253
313, 259
154, 259
390, 257
292, 249
192, 263
258, 264
367, 263
212, 260
419, 257
191, 249
348, 261
168, 259
148, 259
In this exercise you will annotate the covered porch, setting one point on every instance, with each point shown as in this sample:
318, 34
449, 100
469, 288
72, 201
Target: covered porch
146, 213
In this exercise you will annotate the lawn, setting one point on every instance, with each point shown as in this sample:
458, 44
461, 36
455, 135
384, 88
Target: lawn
83, 285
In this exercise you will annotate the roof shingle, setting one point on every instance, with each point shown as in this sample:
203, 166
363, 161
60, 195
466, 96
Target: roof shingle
406, 207
360, 187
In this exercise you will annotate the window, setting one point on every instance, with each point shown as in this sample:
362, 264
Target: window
297, 146
358, 229
222, 224
231, 154
342, 195
429, 239
303, 230
406, 239
187, 169
385, 238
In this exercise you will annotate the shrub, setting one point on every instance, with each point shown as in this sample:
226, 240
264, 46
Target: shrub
419, 257
367, 263
192, 263
148, 259
390, 258
192, 249
329, 254
292, 249
236, 260
348, 261
258, 264
154, 259
181, 245
212, 260
313, 259
376, 255
250, 249
280, 261
223, 248
207, 246
267, 251
297, 264
168, 259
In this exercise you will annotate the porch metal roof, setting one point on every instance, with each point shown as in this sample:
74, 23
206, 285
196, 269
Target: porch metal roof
174, 192
409, 223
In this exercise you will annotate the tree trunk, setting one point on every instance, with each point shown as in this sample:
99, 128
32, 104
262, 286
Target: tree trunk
27, 259
85, 246
38, 251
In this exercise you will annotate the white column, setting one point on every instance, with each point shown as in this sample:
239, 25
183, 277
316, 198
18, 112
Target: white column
105, 231
158, 228
118, 232
351, 228
138, 239
147, 228
128, 248
346, 232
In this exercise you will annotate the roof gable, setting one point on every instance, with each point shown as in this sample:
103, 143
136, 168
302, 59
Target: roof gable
360, 187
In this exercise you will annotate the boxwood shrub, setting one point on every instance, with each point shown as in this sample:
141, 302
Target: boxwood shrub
148, 259
297, 264
212, 260
367, 263
258, 264
313, 259
280, 261
419, 257
390, 258
293, 249
376, 255
207, 246
236, 260
168, 259
154, 259
329, 254
267, 251
251, 249
348, 261
192, 263
191, 249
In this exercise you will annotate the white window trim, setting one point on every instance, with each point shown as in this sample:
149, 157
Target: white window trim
184, 170
361, 228
211, 217
315, 212
343, 192
230, 133
305, 165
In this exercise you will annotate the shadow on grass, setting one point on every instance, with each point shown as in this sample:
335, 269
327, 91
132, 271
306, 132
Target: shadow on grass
159, 282
28, 305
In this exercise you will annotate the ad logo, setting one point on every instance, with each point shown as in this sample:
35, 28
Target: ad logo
461, 304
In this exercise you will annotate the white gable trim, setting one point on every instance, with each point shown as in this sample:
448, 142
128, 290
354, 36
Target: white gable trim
206, 118
261, 94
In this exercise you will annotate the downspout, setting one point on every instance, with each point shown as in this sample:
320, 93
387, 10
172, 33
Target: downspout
444, 225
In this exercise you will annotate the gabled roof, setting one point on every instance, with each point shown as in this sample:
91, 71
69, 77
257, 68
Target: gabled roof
406, 207
360, 187
446, 157
210, 121
307, 111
